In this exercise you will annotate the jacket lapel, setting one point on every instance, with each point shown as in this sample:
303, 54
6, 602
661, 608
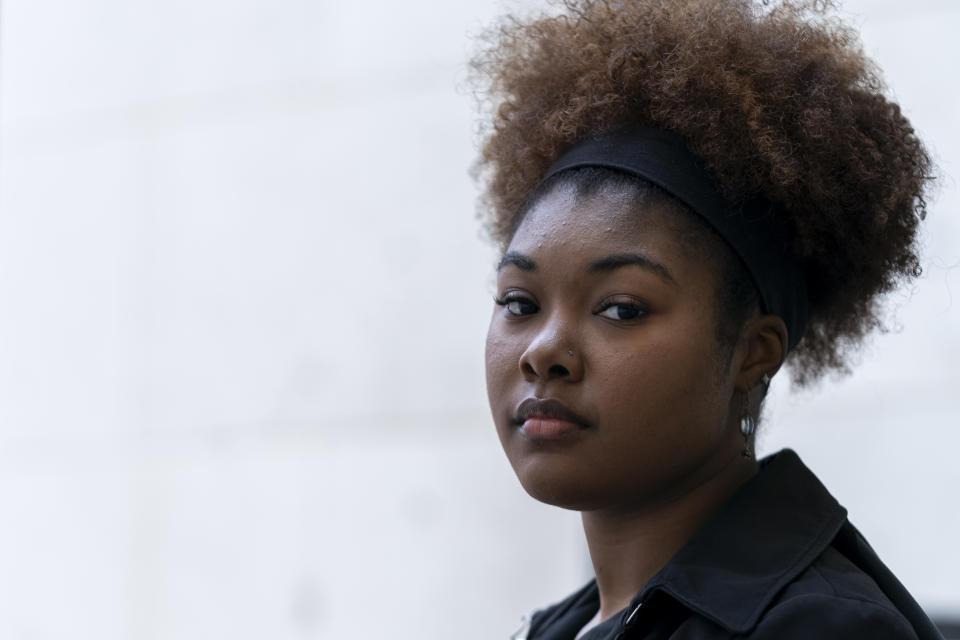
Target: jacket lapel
769, 531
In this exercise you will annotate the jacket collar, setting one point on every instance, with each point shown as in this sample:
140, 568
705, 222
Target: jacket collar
769, 531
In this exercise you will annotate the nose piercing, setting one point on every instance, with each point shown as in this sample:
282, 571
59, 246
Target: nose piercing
569, 352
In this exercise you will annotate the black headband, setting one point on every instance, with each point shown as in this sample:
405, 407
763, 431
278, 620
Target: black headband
752, 230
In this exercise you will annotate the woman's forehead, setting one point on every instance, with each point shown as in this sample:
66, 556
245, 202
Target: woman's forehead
609, 218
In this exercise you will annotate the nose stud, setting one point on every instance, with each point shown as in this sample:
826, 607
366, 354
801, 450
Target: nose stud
570, 352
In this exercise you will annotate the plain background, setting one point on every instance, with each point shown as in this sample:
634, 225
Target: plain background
243, 297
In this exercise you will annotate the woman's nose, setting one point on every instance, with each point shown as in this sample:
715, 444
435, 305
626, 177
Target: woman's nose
552, 355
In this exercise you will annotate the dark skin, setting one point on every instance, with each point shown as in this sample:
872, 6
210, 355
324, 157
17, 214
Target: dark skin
605, 312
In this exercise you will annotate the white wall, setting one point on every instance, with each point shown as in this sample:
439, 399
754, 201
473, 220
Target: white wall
242, 304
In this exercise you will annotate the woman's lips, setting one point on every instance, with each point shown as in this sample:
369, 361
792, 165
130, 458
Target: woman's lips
544, 428
547, 419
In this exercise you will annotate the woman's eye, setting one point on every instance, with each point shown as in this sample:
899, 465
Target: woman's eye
518, 306
622, 311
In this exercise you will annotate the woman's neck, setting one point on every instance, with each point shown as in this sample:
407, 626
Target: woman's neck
628, 547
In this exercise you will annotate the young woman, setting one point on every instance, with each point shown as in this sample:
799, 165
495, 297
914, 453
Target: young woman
691, 194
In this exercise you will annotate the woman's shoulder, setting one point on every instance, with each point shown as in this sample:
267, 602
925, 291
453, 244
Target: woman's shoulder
833, 598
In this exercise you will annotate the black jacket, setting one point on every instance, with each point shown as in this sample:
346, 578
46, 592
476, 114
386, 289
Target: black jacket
779, 561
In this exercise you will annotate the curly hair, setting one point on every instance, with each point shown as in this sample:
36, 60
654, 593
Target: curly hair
779, 101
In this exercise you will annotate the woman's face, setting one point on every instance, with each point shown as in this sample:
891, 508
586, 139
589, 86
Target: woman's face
607, 384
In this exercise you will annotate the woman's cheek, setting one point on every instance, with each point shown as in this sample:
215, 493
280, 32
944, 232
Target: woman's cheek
502, 356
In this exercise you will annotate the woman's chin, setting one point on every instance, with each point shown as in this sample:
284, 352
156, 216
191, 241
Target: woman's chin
558, 486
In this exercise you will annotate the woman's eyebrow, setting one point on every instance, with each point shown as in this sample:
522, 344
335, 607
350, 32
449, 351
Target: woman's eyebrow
609, 263
619, 260
517, 259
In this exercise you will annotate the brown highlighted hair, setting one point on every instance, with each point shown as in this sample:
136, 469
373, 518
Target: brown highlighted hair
777, 98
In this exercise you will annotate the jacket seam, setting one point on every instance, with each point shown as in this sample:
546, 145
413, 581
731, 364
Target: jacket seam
817, 571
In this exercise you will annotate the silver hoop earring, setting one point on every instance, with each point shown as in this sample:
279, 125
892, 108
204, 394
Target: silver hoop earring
747, 426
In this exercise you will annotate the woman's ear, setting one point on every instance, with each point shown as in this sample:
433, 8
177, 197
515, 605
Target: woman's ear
763, 343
